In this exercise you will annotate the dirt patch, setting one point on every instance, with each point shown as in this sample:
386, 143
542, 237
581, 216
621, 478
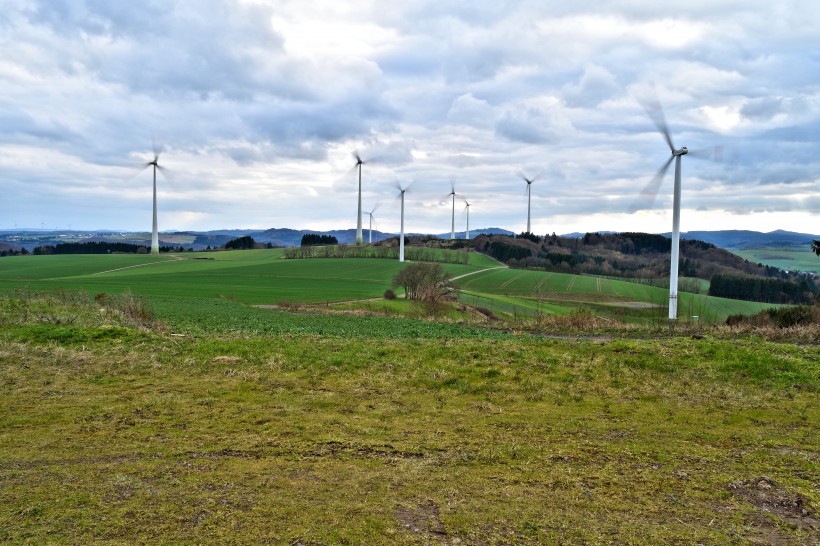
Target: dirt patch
423, 519
770, 497
487, 313
637, 305
225, 359
338, 449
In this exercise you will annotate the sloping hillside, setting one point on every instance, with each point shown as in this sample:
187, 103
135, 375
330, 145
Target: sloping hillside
635, 256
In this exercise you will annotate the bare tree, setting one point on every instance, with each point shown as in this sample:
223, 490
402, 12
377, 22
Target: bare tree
423, 281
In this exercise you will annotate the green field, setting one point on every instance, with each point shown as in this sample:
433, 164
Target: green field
790, 259
515, 291
264, 277
254, 276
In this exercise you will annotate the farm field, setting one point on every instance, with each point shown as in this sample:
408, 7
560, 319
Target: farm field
790, 259
114, 433
530, 292
253, 276
264, 277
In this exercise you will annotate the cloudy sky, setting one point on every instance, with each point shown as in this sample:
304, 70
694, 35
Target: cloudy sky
258, 106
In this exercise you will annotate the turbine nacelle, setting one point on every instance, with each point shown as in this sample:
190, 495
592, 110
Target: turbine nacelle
682, 151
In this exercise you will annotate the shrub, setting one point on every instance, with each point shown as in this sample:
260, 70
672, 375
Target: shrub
785, 317
793, 316
389, 294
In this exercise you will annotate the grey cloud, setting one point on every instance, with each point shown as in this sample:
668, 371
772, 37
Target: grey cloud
595, 85
528, 124
246, 154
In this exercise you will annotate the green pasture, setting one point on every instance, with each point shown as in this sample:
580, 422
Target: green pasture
788, 258
264, 277
523, 292
254, 276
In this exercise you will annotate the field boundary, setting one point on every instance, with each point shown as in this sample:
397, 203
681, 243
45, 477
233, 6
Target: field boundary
477, 272
175, 259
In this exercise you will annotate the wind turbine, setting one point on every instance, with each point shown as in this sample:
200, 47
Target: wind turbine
370, 237
401, 235
359, 163
453, 221
467, 208
529, 182
156, 165
655, 112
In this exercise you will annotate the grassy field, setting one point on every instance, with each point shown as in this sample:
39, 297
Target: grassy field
114, 433
790, 259
254, 276
264, 277
515, 291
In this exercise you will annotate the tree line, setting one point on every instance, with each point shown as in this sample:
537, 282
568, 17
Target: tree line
89, 247
101, 247
418, 254
312, 239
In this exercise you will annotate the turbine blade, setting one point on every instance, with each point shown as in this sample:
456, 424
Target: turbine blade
655, 112
650, 192
357, 157
714, 154
168, 174
136, 169
528, 180
158, 147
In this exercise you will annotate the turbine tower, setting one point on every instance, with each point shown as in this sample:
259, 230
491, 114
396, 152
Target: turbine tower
453, 220
359, 164
155, 164
529, 182
467, 207
370, 237
401, 235
656, 113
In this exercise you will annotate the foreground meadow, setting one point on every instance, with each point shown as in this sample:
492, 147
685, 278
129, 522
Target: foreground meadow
117, 429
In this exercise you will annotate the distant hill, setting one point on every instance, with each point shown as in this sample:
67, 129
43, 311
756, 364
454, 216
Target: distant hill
747, 240
198, 240
645, 257
475, 233
293, 237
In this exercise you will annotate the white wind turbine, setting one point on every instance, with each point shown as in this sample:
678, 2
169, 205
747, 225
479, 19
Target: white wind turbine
656, 113
453, 220
359, 163
529, 182
467, 208
370, 236
164, 171
401, 234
